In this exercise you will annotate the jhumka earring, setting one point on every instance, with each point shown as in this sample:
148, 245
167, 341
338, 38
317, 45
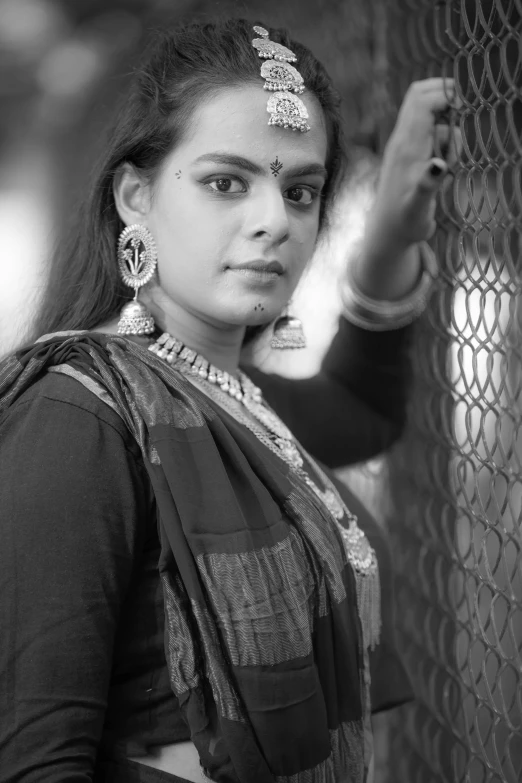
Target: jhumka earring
288, 332
137, 258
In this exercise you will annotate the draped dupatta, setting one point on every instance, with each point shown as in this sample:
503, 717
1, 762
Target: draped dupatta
262, 637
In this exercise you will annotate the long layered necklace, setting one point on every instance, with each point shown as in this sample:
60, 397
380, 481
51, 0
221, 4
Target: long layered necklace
274, 434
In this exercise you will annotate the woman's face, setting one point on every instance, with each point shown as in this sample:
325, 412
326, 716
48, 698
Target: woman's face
234, 210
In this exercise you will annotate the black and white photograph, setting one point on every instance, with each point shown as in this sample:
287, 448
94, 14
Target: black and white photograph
261, 391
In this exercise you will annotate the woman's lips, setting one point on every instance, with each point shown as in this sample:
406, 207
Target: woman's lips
259, 265
259, 270
258, 275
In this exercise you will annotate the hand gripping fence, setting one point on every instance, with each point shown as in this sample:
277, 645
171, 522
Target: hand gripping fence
454, 483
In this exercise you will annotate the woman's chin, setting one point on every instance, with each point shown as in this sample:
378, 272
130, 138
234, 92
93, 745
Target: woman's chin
260, 314
261, 320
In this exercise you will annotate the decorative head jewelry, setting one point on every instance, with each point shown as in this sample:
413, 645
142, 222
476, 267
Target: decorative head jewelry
284, 107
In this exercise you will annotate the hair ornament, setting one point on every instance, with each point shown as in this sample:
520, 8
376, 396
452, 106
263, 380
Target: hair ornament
285, 108
287, 111
270, 50
282, 76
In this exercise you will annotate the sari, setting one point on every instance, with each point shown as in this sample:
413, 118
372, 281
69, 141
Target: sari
262, 637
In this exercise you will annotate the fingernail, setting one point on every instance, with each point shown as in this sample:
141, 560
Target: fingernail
436, 170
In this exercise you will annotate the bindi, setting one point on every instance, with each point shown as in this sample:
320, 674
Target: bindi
276, 167
178, 174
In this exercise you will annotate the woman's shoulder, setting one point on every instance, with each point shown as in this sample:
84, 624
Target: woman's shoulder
60, 440
62, 401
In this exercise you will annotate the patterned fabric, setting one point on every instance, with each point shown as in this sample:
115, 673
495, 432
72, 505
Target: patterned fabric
263, 641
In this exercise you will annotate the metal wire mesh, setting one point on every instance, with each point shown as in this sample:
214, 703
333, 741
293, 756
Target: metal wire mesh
455, 483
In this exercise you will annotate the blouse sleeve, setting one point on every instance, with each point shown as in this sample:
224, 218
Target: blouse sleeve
73, 506
355, 407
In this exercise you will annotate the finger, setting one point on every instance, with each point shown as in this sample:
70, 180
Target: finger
433, 176
416, 119
447, 143
420, 111
440, 101
456, 147
443, 86
435, 82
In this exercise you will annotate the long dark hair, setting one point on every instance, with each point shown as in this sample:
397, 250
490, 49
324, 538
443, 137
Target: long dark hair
181, 67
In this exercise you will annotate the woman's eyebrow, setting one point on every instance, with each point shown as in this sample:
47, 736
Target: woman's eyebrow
307, 168
238, 161
228, 159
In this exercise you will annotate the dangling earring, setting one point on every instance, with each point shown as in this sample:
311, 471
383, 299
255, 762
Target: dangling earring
137, 258
288, 332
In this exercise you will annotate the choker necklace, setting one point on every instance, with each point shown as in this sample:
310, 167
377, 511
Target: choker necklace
274, 434
241, 389
173, 350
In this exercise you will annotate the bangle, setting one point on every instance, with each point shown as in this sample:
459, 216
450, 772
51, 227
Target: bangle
381, 315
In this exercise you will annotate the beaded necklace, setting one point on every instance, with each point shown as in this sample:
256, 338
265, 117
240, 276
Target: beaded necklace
274, 434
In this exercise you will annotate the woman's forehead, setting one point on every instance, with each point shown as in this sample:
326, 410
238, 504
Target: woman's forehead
237, 119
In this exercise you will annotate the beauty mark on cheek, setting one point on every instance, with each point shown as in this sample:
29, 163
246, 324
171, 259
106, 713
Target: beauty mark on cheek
258, 308
276, 167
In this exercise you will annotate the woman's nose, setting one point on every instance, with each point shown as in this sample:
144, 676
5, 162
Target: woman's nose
270, 217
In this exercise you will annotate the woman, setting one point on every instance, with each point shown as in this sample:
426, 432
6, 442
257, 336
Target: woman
184, 587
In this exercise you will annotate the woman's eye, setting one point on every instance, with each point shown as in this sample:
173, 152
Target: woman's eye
226, 185
302, 195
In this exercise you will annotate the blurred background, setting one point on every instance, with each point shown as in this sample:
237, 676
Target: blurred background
450, 493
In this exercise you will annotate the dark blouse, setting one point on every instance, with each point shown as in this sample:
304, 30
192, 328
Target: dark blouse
83, 672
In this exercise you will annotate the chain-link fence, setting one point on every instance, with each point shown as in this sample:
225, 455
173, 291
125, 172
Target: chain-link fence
455, 483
